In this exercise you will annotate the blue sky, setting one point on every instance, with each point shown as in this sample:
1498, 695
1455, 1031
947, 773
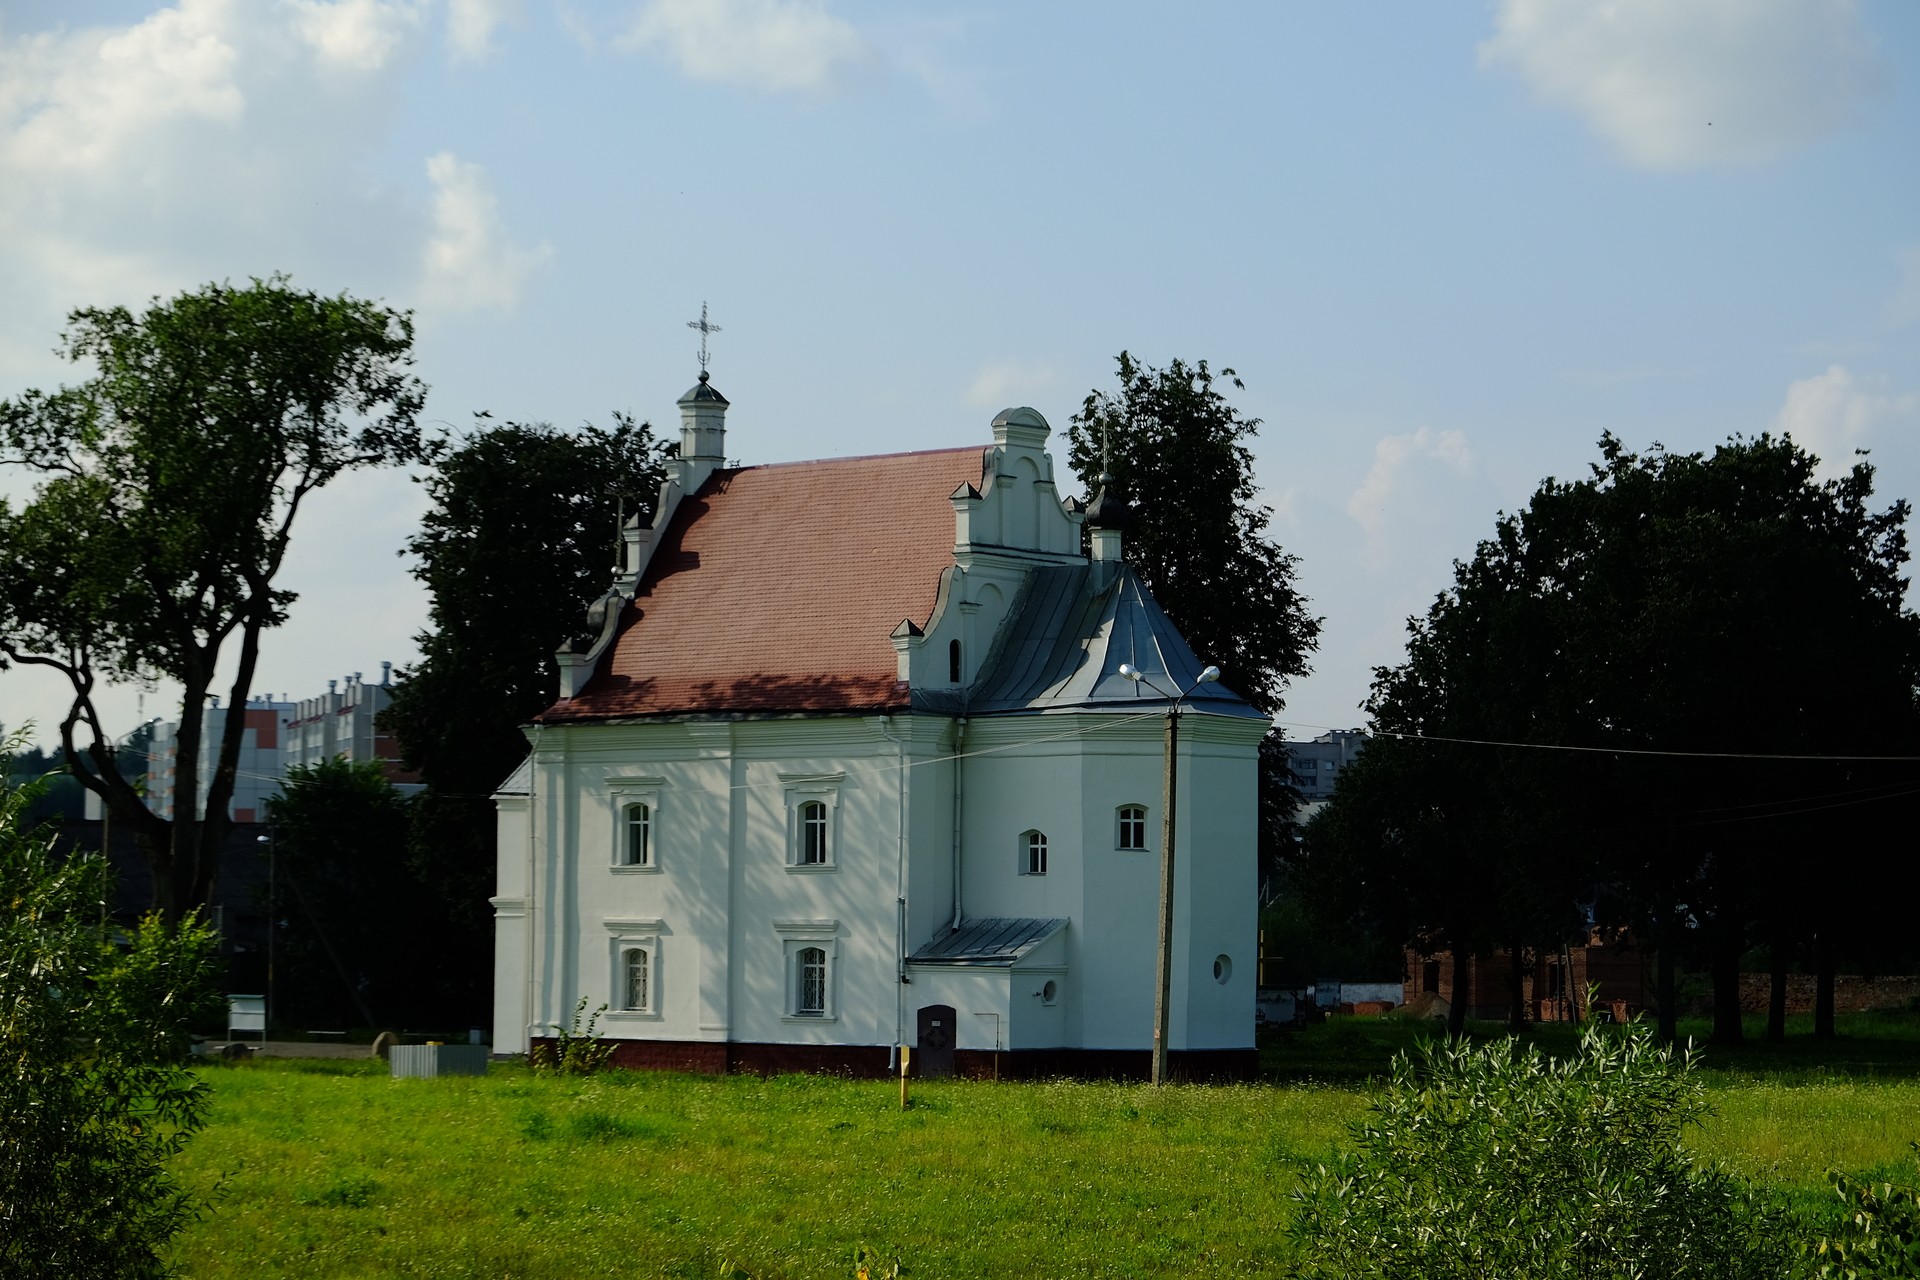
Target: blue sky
1445, 246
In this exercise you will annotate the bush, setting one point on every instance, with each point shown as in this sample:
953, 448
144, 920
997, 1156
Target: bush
1879, 1239
94, 1091
1493, 1160
574, 1050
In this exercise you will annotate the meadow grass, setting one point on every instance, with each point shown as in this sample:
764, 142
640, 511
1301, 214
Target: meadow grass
329, 1168
338, 1171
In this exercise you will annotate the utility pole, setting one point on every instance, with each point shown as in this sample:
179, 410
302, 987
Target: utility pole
1163, 964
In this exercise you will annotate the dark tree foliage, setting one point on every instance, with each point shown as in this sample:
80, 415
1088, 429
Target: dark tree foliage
172, 479
1198, 539
353, 921
95, 1095
519, 541
1666, 625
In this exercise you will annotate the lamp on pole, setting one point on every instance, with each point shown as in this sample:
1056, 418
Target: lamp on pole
1163, 975
273, 862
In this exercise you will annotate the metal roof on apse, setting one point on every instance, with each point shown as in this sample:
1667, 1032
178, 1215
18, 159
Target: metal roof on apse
1073, 626
996, 940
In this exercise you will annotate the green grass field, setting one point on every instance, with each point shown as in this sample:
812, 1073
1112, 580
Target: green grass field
331, 1169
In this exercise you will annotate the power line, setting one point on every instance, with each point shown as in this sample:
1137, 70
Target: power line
1405, 736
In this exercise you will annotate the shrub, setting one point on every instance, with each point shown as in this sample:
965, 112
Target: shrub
574, 1050
94, 1091
1879, 1239
1492, 1159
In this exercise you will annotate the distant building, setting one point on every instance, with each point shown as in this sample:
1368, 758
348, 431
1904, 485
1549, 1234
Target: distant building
278, 734
344, 721
1316, 764
260, 767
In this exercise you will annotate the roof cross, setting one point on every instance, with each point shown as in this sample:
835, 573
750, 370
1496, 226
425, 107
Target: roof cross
705, 329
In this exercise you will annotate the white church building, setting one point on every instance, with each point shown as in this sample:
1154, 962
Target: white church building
848, 763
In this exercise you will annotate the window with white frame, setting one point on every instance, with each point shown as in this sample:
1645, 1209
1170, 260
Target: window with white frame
810, 948
810, 972
813, 833
633, 980
812, 818
635, 971
1033, 854
639, 825
636, 823
1133, 827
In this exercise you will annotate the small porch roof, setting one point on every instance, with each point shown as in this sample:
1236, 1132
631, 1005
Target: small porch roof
996, 941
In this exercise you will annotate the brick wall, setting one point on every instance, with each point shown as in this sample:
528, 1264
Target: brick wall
1852, 992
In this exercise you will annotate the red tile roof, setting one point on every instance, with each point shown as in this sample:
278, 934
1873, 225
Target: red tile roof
777, 588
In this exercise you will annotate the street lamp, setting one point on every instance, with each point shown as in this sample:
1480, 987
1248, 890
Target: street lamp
1163, 977
273, 861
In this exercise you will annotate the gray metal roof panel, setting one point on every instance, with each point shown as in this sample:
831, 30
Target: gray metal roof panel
1071, 628
994, 940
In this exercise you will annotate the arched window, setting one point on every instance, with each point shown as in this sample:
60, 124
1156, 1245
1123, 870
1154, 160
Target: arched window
1033, 854
810, 976
813, 834
637, 977
1133, 827
639, 847
953, 662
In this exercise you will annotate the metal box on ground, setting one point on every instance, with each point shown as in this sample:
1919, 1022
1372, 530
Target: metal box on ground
425, 1061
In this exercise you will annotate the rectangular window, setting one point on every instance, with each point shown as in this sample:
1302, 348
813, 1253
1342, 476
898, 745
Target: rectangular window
812, 963
808, 951
813, 834
1133, 827
634, 814
639, 835
812, 801
637, 992
633, 985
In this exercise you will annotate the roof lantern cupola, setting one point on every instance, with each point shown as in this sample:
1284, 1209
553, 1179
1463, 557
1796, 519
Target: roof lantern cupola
1108, 515
703, 419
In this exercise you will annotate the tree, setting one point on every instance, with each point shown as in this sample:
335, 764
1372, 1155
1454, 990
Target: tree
353, 924
518, 542
1175, 447
1656, 643
173, 477
95, 1095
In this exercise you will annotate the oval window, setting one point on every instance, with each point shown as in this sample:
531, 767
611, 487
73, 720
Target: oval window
1049, 991
1222, 969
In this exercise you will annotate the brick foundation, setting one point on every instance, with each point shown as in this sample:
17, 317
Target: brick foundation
873, 1062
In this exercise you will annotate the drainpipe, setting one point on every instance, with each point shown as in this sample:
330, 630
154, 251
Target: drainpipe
533, 795
959, 796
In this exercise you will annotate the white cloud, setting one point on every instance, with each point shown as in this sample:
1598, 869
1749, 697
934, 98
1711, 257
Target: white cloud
470, 25
1831, 414
223, 139
356, 36
1009, 382
1679, 84
777, 45
470, 263
1402, 477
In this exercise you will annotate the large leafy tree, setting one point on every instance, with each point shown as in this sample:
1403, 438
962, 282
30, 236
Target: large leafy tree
1680, 651
171, 481
1176, 448
520, 540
